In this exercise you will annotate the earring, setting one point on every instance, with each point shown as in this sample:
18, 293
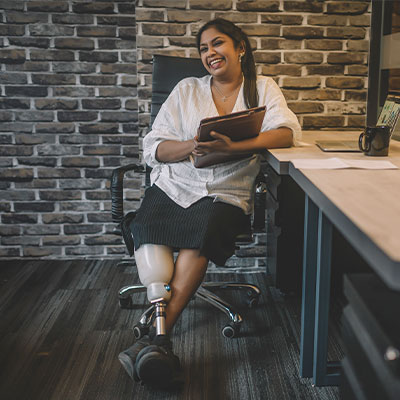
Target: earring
241, 56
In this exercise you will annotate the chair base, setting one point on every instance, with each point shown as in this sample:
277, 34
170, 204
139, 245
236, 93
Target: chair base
235, 319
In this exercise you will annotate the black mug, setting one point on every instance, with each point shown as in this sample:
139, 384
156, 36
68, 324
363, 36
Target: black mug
374, 141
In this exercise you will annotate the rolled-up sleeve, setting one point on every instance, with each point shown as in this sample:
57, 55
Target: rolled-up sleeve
278, 114
166, 126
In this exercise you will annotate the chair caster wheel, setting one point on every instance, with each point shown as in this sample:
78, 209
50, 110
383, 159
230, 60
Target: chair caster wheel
231, 330
252, 301
126, 302
140, 330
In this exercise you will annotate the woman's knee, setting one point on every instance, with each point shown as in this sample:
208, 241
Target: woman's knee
192, 258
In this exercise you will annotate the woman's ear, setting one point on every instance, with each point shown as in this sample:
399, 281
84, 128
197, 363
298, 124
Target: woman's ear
242, 47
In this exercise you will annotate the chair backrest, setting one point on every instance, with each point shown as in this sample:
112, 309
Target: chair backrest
167, 72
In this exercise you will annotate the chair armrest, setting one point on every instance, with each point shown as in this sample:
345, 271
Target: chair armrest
117, 189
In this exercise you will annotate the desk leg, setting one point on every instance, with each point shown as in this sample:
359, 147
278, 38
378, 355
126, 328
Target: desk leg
323, 374
308, 294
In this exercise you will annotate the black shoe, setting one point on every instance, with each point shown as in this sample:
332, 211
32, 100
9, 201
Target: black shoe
128, 357
157, 366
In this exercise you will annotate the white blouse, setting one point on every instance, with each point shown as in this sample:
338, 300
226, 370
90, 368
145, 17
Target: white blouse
178, 119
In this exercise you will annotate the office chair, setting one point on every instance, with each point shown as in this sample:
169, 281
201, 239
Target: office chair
167, 72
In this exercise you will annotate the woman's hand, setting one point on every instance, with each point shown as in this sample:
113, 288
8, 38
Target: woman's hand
174, 150
275, 138
220, 144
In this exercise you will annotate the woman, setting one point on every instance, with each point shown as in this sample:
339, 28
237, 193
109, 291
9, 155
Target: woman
217, 199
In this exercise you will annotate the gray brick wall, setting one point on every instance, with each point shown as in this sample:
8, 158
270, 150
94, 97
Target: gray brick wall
68, 116
316, 50
75, 84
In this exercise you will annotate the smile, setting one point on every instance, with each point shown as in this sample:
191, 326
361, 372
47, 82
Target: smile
215, 62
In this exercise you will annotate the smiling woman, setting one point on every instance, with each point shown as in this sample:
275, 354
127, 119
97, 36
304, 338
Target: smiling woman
226, 53
216, 200
226, 39
222, 58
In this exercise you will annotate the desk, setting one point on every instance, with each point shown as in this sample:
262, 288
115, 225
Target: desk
348, 200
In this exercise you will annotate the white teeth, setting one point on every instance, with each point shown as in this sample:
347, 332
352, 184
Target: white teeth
215, 61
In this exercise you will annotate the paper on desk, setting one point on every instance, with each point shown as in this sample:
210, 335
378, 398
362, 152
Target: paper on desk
340, 163
370, 164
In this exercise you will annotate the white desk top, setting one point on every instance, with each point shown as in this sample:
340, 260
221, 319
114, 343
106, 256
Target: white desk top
280, 158
368, 199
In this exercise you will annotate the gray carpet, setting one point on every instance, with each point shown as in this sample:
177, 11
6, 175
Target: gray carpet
61, 330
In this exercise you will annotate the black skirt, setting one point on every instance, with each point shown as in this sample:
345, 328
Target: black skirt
206, 225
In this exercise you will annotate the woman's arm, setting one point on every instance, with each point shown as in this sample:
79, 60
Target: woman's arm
281, 137
173, 150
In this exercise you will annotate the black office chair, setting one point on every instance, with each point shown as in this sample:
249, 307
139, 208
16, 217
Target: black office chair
167, 72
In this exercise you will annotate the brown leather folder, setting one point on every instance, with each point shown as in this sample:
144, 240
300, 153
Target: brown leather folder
238, 126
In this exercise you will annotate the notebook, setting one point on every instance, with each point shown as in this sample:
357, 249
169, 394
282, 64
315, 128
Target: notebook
338, 145
238, 126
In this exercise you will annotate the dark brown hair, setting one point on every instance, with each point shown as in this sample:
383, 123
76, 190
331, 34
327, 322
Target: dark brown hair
247, 64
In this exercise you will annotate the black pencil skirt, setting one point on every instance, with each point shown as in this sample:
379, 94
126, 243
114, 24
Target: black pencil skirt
206, 225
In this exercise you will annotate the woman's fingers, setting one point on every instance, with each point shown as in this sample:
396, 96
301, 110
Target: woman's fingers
217, 135
220, 143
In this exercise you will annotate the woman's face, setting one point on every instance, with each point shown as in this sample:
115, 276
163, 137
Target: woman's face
218, 53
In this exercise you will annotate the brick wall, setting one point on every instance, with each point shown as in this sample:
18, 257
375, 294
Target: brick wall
68, 115
316, 50
75, 85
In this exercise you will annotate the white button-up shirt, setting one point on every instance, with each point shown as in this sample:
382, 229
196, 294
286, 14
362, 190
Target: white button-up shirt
178, 119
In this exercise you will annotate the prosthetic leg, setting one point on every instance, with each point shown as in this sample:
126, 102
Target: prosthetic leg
156, 364
155, 265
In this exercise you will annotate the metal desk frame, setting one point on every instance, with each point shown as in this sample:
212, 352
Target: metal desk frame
320, 216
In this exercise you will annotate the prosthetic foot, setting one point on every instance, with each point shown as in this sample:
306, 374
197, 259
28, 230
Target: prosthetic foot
154, 363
